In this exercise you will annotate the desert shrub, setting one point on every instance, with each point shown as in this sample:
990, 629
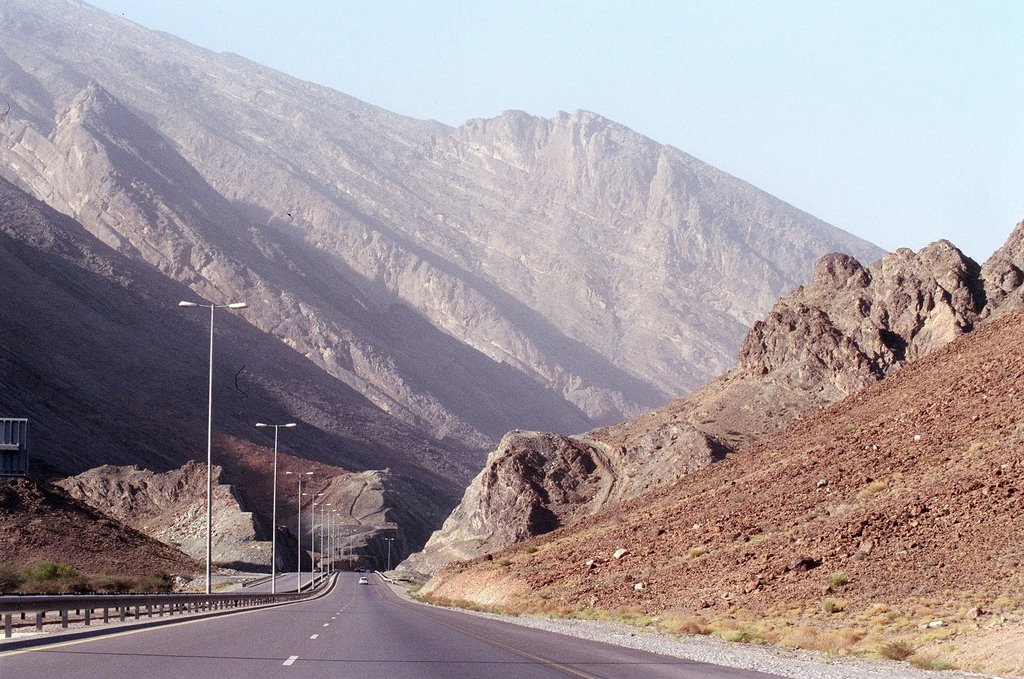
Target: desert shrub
928, 662
839, 642
157, 582
682, 623
10, 580
112, 584
504, 562
48, 570
531, 549
838, 579
872, 488
830, 605
736, 635
896, 650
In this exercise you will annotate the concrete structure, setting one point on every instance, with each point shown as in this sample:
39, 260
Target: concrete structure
13, 446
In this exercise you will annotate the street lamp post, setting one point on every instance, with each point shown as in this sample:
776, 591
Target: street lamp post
312, 534
273, 522
323, 517
209, 436
298, 534
389, 541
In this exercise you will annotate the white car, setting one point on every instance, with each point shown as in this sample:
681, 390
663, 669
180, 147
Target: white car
363, 580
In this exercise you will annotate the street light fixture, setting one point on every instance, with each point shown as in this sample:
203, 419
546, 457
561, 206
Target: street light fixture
209, 435
298, 534
389, 541
273, 521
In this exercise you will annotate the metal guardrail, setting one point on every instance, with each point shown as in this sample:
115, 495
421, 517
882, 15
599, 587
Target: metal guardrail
89, 608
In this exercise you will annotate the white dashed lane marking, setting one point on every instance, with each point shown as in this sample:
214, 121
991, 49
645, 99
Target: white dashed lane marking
291, 659
314, 636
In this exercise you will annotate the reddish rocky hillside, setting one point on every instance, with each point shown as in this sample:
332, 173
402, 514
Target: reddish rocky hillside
851, 326
39, 522
908, 496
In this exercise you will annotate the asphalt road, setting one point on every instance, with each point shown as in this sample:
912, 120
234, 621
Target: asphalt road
356, 631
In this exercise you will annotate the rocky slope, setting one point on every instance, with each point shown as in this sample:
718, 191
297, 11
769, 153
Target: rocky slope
549, 274
39, 522
109, 371
171, 507
849, 327
893, 508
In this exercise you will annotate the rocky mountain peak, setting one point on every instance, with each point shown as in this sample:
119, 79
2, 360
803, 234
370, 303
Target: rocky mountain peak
852, 324
1003, 273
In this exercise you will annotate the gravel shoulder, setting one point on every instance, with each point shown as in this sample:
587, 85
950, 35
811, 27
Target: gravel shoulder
792, 663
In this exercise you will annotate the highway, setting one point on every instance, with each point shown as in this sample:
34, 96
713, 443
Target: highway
355, 631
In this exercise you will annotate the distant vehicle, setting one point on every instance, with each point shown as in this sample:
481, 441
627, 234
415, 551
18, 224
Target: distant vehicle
364, 581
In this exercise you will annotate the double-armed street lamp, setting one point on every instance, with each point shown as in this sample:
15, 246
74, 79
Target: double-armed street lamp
298, 535
273, 522
209, 435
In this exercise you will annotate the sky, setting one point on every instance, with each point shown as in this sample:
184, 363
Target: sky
900, 121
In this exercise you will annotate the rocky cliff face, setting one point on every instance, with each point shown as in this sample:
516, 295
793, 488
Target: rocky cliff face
588, 272
851, 326
171, 507
1003, 273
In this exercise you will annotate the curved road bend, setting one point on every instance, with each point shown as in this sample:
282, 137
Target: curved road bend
357, 631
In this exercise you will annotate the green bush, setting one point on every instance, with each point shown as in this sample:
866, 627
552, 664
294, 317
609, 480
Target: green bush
48, 570
157, 582
838, 579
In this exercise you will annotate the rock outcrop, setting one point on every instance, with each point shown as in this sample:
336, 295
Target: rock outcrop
1003, 273
171, 507
851, 326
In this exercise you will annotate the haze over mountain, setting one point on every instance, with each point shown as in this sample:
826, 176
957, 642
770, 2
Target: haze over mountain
516, 272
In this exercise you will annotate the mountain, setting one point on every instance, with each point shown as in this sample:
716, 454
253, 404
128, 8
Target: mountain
519, 272
890, 517
849, 327
110, 371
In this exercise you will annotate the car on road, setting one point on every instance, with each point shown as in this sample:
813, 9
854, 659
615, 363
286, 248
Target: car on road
363, 580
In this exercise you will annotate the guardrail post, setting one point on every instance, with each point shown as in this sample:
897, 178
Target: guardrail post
39, 620
8, 627
63, 618
120, 612
88, 616
106, 615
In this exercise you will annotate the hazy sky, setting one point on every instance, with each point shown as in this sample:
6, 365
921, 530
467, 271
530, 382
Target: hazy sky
901, 122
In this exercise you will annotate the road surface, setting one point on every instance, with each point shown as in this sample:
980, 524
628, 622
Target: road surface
356, 631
